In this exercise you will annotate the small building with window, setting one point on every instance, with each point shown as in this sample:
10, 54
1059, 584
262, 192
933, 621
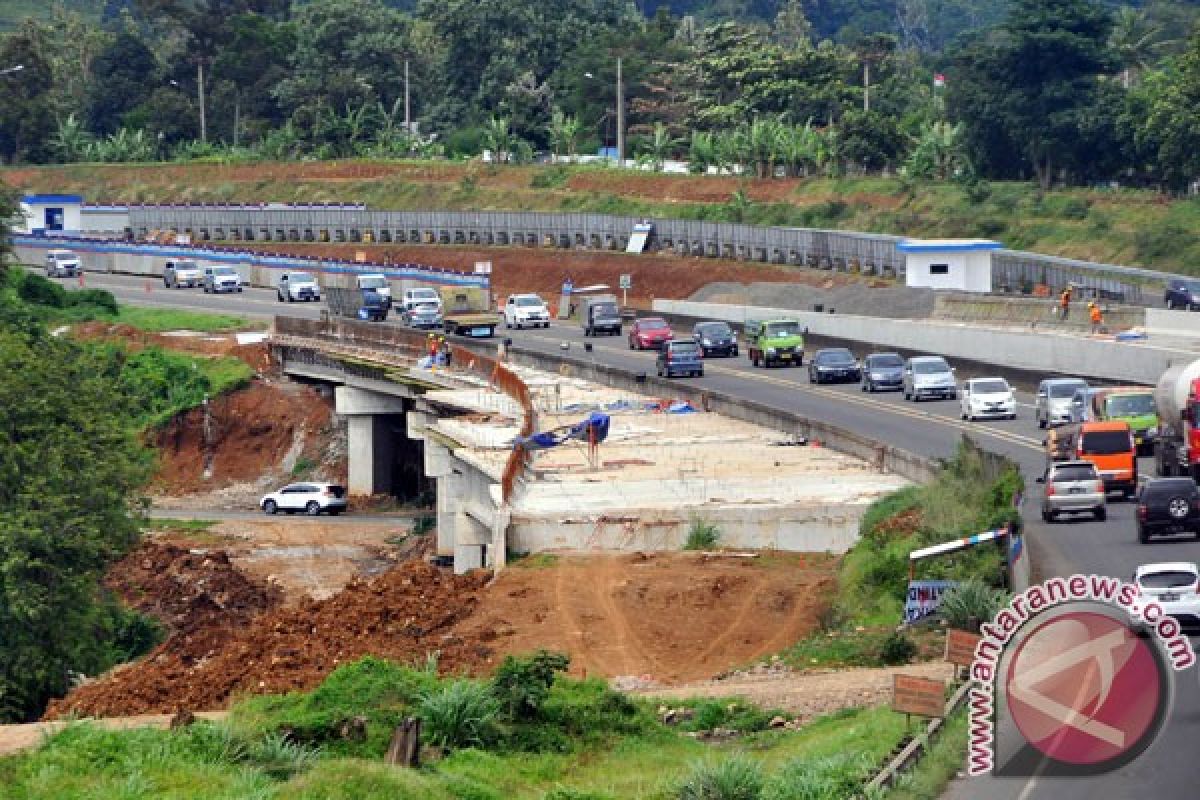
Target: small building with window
961, 264
50, 213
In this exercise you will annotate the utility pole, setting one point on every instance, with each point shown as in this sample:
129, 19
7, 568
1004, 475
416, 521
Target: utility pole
407, 110
200, 94
866, 84
620, 117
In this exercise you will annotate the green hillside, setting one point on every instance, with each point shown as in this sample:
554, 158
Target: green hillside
13, 11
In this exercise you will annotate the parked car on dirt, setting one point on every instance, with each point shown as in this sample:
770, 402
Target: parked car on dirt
1053, 403
1073, 487
987, 397
521, 310
1166, 506
649, 333
62, 264
715, 338
311, 498
882, 372
833, 365
221, 279
680, 357
182, 272
1174, 585
295, 286
1182, 293
928, 376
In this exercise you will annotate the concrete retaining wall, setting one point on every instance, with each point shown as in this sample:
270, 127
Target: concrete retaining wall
1040, 351
260, 269
1172, 323
1029, 311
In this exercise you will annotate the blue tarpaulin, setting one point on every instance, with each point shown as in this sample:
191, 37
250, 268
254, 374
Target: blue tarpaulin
592, 430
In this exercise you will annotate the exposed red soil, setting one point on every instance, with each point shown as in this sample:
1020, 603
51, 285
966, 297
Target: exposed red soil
252, 430
529, 269
402, 615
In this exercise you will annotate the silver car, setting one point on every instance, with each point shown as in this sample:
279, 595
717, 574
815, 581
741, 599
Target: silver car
422, 315
1053, 405
1073, 487
928, 376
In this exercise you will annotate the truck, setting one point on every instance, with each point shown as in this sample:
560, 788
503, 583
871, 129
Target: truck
1134, 405
468, 313
365, 304
1177, 400
375, 281
775, 341
182, 272
599, 312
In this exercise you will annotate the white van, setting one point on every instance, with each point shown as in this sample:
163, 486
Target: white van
62, 263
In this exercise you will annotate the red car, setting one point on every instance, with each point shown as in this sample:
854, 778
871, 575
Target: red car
649, 332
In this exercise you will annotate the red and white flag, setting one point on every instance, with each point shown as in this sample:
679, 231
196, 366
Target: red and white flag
939, 80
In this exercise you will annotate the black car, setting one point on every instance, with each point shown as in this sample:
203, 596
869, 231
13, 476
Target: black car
833, 365
715, 338
883, 372
1166, 506
1182, 293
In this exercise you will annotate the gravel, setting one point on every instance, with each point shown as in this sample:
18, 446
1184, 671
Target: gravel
896, 302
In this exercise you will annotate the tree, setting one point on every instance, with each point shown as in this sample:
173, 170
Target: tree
124, 75
68, 468
1033, 81
939, 152
26, 98
564, 133
1166, 124
499, 139
1135, 42
792, 28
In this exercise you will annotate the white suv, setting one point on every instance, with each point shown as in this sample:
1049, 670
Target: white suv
297, 286
1174, 586
420, 296
311, 498
988, 397
526, 309
62, 263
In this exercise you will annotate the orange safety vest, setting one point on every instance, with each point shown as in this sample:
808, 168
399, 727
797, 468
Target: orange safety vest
1065, 299
1095, 313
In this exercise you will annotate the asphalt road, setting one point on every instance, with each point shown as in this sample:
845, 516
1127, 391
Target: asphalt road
1170, 768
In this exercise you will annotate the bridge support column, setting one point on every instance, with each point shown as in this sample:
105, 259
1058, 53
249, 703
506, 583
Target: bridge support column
370, 439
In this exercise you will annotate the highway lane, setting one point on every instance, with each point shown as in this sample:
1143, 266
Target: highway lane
930, 429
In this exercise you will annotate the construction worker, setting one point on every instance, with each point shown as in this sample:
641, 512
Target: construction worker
433, 346
444, 348
1095, 316
1064, 303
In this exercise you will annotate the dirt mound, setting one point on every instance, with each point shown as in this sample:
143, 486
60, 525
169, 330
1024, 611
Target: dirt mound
671, 616
527, 269
402, 615
261, 430
202, 344
189, 590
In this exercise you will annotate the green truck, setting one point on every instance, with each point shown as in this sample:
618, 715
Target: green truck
775, 341
1131, 404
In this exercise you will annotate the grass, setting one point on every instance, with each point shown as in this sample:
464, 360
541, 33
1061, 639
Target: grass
702, 535
159, 320
1133, 227
940, 764
601, 745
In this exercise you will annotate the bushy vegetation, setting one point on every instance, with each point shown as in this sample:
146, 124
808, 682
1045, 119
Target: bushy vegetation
971, 603
300, 745
702, 535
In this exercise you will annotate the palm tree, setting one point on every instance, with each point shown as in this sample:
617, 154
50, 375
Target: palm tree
660, 145
71, 140
940, 151
1135, 41
564, 133
702, 152
498, 137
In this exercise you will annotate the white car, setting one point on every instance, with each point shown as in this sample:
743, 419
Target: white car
62, 263
423, 294
526, 309
311, 498
184, 272
297, 286
981, 398
1174, 586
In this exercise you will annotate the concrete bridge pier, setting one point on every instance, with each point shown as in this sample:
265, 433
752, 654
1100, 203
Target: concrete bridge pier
369, 437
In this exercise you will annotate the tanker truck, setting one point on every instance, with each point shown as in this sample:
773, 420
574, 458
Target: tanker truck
1177, 398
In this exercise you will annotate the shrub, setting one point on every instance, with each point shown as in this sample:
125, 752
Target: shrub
303, 466
736, 778
99, 298
39, 291
702, 535
550, 178
833, 778
279, 757
725, 713
897, 648
423, 525
462, 713
521, 685
570, 793
970, 603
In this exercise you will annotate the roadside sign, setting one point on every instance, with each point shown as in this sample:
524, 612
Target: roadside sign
626, 282
923, 599
483, 268
921, 696
960, 647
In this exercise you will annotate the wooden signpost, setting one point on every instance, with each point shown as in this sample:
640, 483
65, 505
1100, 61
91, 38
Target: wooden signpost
921, 696
960, 647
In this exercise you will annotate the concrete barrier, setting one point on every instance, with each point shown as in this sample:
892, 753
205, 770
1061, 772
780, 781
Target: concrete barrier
1039, 351
1172, 323
1032, 311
